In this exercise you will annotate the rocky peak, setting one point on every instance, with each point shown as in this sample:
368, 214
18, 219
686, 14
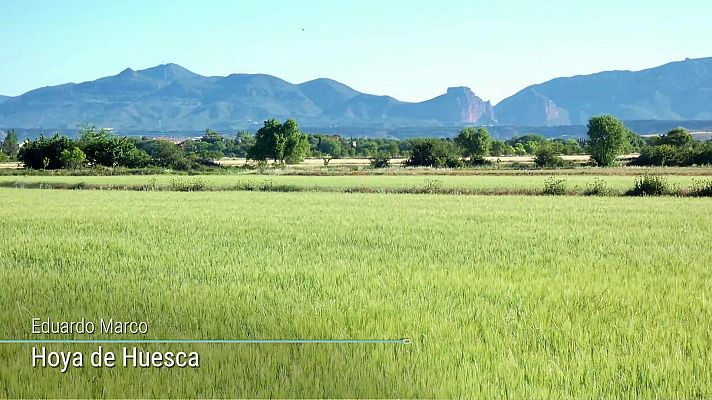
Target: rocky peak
472, 108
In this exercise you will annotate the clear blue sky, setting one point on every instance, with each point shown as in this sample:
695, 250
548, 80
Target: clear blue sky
412, 50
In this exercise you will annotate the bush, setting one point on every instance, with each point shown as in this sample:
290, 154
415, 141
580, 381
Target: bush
661, 155
599, 187
474, 162
650, 185
702, 154
554, 186
433, 186
380, 161
189, 185
701, 188
547, 156
430, 153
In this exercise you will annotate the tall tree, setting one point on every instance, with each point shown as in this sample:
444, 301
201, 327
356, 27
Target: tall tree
607, 138
476, 143
10, 145
280, 142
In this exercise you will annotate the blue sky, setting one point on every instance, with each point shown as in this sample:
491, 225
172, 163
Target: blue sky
412, 50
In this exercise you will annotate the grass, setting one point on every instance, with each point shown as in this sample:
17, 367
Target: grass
503, 297
485, 183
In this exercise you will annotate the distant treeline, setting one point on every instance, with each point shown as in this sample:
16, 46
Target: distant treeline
286, 144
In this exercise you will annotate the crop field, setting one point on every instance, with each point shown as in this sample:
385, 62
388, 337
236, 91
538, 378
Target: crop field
502, 297
472, 182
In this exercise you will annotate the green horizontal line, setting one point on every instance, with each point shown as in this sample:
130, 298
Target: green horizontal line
209, 341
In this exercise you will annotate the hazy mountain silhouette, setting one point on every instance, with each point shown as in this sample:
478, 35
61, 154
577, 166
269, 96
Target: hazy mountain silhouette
170, 97
675, 91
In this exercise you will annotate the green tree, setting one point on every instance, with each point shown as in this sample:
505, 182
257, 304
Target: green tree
519, 149
547, 155
10, 146
166, 154
678, 137
476, 143
635, 142
104, 148
212, 146
531, 146
328, 145
296, 143
430, 153
607, 138
570, 147
501, 148
72, 158
242, 144
44, 153
283, 143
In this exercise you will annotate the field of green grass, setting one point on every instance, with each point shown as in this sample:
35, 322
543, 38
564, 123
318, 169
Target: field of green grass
502, 297
474, 182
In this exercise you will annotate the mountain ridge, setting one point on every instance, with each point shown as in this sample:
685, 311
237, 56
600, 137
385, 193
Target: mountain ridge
172, 98
169, 96
678, 90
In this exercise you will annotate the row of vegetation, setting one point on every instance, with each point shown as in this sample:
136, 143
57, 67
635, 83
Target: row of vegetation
608, 138
281, 142
645, 185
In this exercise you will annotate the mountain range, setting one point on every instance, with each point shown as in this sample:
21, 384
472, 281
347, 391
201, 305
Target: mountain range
170, 98
676, 91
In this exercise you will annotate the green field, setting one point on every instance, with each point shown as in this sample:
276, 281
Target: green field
503, 297
475, 182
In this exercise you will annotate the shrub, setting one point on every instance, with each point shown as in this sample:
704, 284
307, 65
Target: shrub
380, 161
472, 162
433, 186
554, 186
547, 156
661, 155
650, 185
702, 154
599, 187
701, 188
265, 185
429, 153
189, 185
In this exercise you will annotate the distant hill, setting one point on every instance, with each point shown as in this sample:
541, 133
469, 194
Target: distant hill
169, 97
675, 91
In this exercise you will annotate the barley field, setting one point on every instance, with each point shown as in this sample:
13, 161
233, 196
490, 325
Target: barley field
502, 297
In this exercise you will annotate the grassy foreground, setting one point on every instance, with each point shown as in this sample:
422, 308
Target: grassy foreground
525, 297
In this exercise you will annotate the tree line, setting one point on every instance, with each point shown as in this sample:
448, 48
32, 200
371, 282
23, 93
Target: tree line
284, 143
